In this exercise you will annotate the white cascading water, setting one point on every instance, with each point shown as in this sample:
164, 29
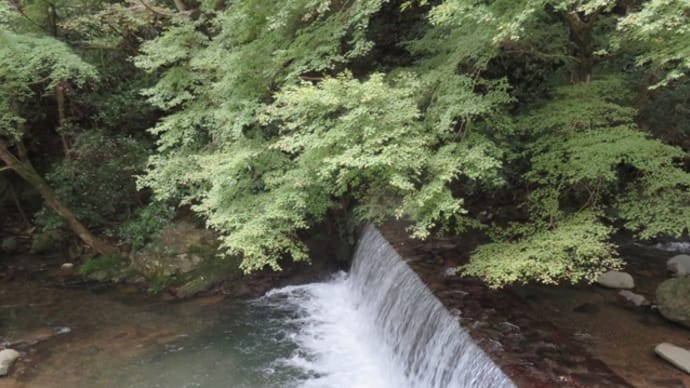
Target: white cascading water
380, 326
677, 246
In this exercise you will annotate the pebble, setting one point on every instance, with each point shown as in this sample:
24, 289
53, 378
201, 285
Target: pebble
7, 358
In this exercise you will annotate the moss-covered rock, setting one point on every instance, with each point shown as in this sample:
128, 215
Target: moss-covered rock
9, 244
673, 300
106, 268
210, 273
180, 249
45, 242
185, 260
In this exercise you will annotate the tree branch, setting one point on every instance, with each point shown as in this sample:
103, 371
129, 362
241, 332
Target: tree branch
540, 54
18, 8
157, 12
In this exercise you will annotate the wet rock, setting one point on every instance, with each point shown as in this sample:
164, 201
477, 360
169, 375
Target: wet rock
7, 358
632, 298
616, 279
679, 265
677, 356
673, 301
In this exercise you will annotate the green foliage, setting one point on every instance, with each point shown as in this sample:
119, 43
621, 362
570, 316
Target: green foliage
263, 156
276, 116
657, 203
587, 158
109, 264
573, 249
146, 224
27, 61
662, 27
97, 179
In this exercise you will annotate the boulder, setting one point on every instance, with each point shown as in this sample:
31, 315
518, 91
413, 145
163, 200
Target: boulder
673, 300
616, 279
679, 265
677, 356
632, 298
180, 249
7, 358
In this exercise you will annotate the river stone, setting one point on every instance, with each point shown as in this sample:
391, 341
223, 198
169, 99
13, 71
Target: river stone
677, 356
67, 266
673, 300
7, 358
616, 279
679, 265
632, 298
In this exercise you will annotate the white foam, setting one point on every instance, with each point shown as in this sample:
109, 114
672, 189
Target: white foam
680, 246
337, 345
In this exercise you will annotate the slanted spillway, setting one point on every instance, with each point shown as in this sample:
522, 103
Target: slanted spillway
427, 342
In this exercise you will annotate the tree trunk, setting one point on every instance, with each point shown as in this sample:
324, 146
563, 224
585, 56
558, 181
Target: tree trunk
62, 115
581, 36
28, 173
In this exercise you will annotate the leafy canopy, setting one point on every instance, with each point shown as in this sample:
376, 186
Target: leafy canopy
273, 123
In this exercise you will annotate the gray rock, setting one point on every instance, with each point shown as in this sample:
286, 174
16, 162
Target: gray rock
673, 300
7, 358
616, 279
634, 299
679, 265
677, 356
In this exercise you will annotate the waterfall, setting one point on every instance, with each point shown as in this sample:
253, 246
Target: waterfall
425, 340
377, 327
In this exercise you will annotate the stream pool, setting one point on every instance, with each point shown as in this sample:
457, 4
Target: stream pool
298, 336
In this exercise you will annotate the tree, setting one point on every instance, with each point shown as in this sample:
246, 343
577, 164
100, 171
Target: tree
586, 163
662, 28
268, 132
29, 64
